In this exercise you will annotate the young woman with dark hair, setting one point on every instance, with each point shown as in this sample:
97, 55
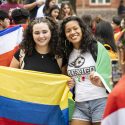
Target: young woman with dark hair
38, 50
104, 34
66, 10
54, 12
89, 65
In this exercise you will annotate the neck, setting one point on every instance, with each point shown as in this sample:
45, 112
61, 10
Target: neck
42, 50
76, 46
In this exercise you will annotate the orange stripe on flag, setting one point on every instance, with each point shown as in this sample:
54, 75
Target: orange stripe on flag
6, 58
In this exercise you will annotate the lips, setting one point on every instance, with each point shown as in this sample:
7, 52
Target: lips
74, 37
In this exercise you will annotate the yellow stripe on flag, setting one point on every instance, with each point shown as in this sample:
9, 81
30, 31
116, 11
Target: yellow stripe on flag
32, 86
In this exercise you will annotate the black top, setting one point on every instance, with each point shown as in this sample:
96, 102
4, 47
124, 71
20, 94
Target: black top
40, 62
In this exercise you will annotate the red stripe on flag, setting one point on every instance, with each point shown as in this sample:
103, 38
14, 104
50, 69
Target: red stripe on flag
116, 99
6, 58
5, 121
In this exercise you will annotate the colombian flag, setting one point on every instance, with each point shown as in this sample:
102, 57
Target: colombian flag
10, 38
33, 98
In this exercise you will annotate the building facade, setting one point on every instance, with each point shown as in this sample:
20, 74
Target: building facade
104, 8
97, 3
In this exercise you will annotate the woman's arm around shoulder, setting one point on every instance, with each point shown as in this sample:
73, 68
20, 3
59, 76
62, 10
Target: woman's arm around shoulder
15, 63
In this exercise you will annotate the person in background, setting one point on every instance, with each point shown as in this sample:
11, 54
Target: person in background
116, 21
88, 20
66, 10
10, 5
32, 6
4, 20
95, 21
89, 65
104, 34
20, 16
44, 10
115, 107
54, 12
121, 9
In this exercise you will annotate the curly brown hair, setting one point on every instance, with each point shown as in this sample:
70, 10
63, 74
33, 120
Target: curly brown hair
28, 43
88, 42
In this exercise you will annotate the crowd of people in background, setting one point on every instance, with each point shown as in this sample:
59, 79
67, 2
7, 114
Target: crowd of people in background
88, 49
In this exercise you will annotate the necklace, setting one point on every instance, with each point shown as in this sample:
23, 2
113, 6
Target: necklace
42, 56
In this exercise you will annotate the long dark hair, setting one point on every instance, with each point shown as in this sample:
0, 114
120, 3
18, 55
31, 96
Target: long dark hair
46, 8
53, 8
87, 43
104, 34
28, 43
62, 14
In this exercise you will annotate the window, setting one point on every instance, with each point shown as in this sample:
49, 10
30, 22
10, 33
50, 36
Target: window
100, 1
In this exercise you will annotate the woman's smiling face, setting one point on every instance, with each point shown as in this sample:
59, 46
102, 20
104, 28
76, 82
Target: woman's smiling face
73, 33
41, 34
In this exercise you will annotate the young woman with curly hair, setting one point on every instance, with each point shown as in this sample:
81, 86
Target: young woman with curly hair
40, 48
39, 51
89, 65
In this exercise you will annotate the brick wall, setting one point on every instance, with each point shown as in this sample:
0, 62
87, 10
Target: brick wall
106, 14
106, 11
85, 3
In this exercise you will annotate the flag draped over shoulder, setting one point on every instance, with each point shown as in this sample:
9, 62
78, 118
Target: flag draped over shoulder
115, 108
9, 41
32, 98
103, 67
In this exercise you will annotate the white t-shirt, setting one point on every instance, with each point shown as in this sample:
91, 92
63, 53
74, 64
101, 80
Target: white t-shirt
40, 12
79, 68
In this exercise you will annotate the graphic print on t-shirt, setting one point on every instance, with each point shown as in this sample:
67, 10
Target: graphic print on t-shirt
78, 62
79, 68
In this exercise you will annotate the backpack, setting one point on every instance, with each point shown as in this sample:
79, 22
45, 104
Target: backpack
113, 55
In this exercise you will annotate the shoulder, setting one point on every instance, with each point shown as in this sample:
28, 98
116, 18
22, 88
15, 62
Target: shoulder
101, 47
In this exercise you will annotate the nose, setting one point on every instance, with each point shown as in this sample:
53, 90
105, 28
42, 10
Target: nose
72, 31
41, 35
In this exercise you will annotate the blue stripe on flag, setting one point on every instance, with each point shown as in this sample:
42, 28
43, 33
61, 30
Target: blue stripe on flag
9, 30
32, 113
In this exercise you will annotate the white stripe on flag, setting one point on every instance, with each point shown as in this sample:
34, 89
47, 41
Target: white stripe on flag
115, 118
10, 40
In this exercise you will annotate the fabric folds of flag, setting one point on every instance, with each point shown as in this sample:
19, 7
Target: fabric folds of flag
32, 98
115, 108
9, 41
103, 67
